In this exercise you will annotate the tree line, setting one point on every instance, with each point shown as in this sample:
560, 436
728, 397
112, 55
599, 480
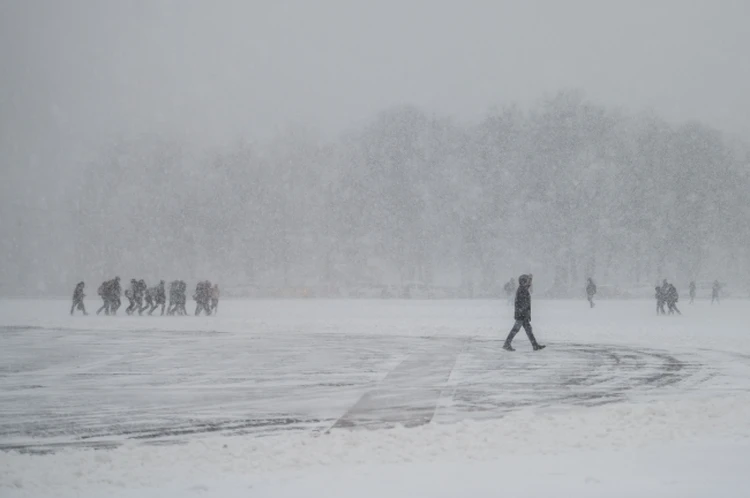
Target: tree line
565, 190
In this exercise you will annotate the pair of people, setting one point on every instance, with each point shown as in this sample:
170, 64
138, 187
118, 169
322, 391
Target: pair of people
206, 297
523, 314
135, 295
667, 294
110, 292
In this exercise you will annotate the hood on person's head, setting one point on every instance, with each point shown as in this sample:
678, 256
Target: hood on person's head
524, 280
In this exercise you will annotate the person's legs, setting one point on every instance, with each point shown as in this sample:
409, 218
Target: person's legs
105, 307
516, 327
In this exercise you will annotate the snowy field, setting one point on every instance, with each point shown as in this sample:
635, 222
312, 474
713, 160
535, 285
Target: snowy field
375, 398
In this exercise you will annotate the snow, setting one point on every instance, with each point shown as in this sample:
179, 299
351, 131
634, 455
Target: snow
375, 398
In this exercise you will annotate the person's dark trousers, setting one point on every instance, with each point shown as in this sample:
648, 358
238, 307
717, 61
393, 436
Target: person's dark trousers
105, 307
79, 305
116, 303
526, 326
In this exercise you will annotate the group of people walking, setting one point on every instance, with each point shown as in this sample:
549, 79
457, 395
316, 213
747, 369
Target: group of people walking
666, 294
143, 298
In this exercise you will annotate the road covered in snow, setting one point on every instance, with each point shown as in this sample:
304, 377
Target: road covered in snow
269, 396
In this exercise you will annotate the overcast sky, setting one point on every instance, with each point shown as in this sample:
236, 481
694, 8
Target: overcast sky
75, 72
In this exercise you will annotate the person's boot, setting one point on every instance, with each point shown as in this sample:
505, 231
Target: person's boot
538, 347
508, 347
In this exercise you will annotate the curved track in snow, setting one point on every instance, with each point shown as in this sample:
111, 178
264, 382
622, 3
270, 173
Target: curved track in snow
63, 388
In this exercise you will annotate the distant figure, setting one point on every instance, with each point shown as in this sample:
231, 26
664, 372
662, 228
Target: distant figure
140, 294
510, 289
672, 297
664, 294
522, 314
660, 300
692, 292
130, 294
148, 299
590, 291
173, 292
158, 297
115, 291
215, 298
715, 292
104, 293
202, 297
183, 298
78, 296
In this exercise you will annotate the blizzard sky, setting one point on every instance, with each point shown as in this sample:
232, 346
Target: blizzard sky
77, 73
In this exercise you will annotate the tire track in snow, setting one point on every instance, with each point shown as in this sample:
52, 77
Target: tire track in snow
409, 394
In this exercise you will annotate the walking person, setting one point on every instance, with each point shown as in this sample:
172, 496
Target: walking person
78, 296
660, 300
672, 298
130, 294
104, 293
159, 296
115, 291
522, 314
140, 294
180, 298
590, 291
155, 297
715, 292
202, 297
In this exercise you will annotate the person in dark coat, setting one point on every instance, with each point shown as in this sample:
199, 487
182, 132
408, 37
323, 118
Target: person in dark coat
104, 293
692, 292
202, 297
149, 298
140, 294
115, 291
590, 291
177, 298
130, 294
183, 299
174, 290
78, 296
661, 296
158, 297
522, 314
659, 300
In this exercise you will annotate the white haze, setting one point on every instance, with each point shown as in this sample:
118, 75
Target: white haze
300, 143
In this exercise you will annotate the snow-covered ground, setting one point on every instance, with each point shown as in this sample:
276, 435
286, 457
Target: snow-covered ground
375, 398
